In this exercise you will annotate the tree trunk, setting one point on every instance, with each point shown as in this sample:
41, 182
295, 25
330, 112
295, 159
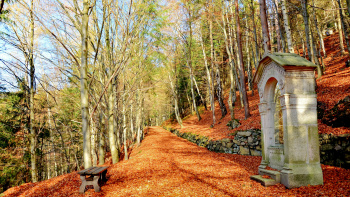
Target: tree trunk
138, 115
255, 34
131, 122
111, 95
31, 98
287, 27
211, 97
264, 25
93, 143
51, 137
189, 62
199, 93
280, 39
307, 31
212, 64
343, 27
101, 144
249, 67
176, 106
319, 70
219, 90
241, 68
341, 40
232, 95
83, 83
124, 125
319, 31
234, 35
193, 96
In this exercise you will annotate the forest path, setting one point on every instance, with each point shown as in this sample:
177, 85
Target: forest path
166, 165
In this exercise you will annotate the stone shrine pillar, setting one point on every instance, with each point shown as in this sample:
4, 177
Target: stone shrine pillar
297, 155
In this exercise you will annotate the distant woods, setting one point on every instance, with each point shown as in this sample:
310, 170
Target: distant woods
82, 78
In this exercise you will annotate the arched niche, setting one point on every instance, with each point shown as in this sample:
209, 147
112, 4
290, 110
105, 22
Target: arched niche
296, 155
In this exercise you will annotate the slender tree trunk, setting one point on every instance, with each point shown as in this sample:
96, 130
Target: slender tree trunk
234, 35
212, 63
51, 137
83, 81
287, 27
111, 95
232, 95
211, 97
191, 72
343, 27
199, 93
280, 39
280, 28
306, 25
124, 124
241, 69
176, 106
318, 31
131, 122
340, 30
193, 96
255, 34
101, 144
125, 135
219, 90
249, 67
93, 143
31, 98
264, 26
348, 6
138, 116
319, 70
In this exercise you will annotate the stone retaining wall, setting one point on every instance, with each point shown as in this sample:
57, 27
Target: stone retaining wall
334, 150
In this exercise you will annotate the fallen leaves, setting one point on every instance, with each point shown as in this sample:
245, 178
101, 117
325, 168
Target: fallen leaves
166, 165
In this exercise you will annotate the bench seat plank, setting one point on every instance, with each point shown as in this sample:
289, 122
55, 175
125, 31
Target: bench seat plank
85, 170
98, 170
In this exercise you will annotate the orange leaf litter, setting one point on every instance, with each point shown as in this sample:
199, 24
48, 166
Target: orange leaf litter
166, 165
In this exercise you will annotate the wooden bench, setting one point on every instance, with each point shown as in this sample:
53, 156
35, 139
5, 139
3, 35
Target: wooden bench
91, 176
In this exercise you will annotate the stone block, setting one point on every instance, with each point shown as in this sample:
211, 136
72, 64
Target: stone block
250, 140
255, 153
326, 147
229, 145
243, 150
244, 133
236, 141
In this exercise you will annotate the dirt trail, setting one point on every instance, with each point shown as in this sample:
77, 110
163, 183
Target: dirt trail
166, 165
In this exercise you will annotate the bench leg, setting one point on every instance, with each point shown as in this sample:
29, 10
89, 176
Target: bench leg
95, 184
103, 178
83, 184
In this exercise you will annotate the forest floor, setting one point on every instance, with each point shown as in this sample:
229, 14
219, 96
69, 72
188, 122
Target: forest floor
166, 165
333, 86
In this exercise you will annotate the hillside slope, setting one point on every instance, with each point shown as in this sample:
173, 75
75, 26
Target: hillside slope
333, 86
